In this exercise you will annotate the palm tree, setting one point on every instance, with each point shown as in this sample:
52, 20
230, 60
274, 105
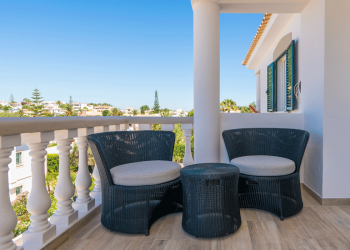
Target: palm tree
68, 110
59, 102
228, 105
114, 111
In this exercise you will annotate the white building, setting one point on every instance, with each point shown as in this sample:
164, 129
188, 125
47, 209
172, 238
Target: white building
4, 103
128, 110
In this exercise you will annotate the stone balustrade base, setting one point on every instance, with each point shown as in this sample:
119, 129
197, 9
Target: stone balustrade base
84, 206
64, 220
39, 238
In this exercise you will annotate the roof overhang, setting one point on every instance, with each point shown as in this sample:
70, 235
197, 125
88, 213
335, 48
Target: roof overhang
258, 6
276, 23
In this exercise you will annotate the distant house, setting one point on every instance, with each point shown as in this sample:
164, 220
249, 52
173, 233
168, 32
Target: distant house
128, 110
4, 103
100, 108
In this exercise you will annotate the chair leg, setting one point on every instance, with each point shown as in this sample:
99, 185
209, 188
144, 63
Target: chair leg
147, 233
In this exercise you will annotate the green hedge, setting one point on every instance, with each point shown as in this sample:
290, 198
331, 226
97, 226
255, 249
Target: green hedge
52, 163
179, 152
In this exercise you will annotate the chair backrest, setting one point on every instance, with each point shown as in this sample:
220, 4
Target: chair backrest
282, 142
111, 149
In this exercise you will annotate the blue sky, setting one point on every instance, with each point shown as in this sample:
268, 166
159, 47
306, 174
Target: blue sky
117, 52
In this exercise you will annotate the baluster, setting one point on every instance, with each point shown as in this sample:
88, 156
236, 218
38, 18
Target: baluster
96, 193
65, 214
84, 202
145, 126
8, 218
187, 128
40, 230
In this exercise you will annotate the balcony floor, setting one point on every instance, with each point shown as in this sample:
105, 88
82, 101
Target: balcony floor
315, 227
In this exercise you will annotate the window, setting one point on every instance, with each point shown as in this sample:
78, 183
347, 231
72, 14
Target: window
19, 190
280, 82
19, 159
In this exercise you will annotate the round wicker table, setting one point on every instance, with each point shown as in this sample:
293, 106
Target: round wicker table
210, 199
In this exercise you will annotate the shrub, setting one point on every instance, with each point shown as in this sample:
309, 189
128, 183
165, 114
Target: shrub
179, 152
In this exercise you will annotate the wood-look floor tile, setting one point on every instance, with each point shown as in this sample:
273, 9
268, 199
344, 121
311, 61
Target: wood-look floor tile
292, 228
308, 197
264, 235
76, 244
248, 214
333, 244
172, 228
306, 202
301, 244
237, 241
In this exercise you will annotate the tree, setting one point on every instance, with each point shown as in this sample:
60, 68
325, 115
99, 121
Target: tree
114, 112
144, 108
134, 112
191, 113
58, 102
70, 100
68, 110
228, 105
7, 108
106, 113
26, 100
166, 113
36, 99
12, 99
21, 112
156, 106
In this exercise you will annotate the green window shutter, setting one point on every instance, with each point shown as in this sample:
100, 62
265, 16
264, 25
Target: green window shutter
271, 88
290, 77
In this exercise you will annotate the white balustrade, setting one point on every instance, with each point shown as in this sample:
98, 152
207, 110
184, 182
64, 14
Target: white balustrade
65, 214
96, 193
168, 127
40, 230
145, 126
84, 202
187, 128
8, 218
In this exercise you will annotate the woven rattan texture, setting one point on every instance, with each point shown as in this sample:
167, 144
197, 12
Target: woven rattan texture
280, 195
211, 206
133, 209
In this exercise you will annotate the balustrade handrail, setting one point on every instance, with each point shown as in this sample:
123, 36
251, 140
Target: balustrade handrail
19, 125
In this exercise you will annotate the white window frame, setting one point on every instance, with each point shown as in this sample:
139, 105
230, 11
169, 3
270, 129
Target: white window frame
281, 84
21, 164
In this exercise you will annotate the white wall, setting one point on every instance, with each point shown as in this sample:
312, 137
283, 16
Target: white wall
312, 96
336, 160
267, 120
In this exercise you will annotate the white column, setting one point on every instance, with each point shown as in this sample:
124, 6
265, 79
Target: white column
84, 202
145, 126
206, 43
65, 214
187, 128
40, 230
96, 193
8, 218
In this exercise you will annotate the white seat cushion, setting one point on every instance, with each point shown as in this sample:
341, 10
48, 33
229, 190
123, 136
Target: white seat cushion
145, 173
264, 165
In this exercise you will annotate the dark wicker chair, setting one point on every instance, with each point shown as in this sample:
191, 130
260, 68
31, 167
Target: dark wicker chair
280, 195
133, 209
